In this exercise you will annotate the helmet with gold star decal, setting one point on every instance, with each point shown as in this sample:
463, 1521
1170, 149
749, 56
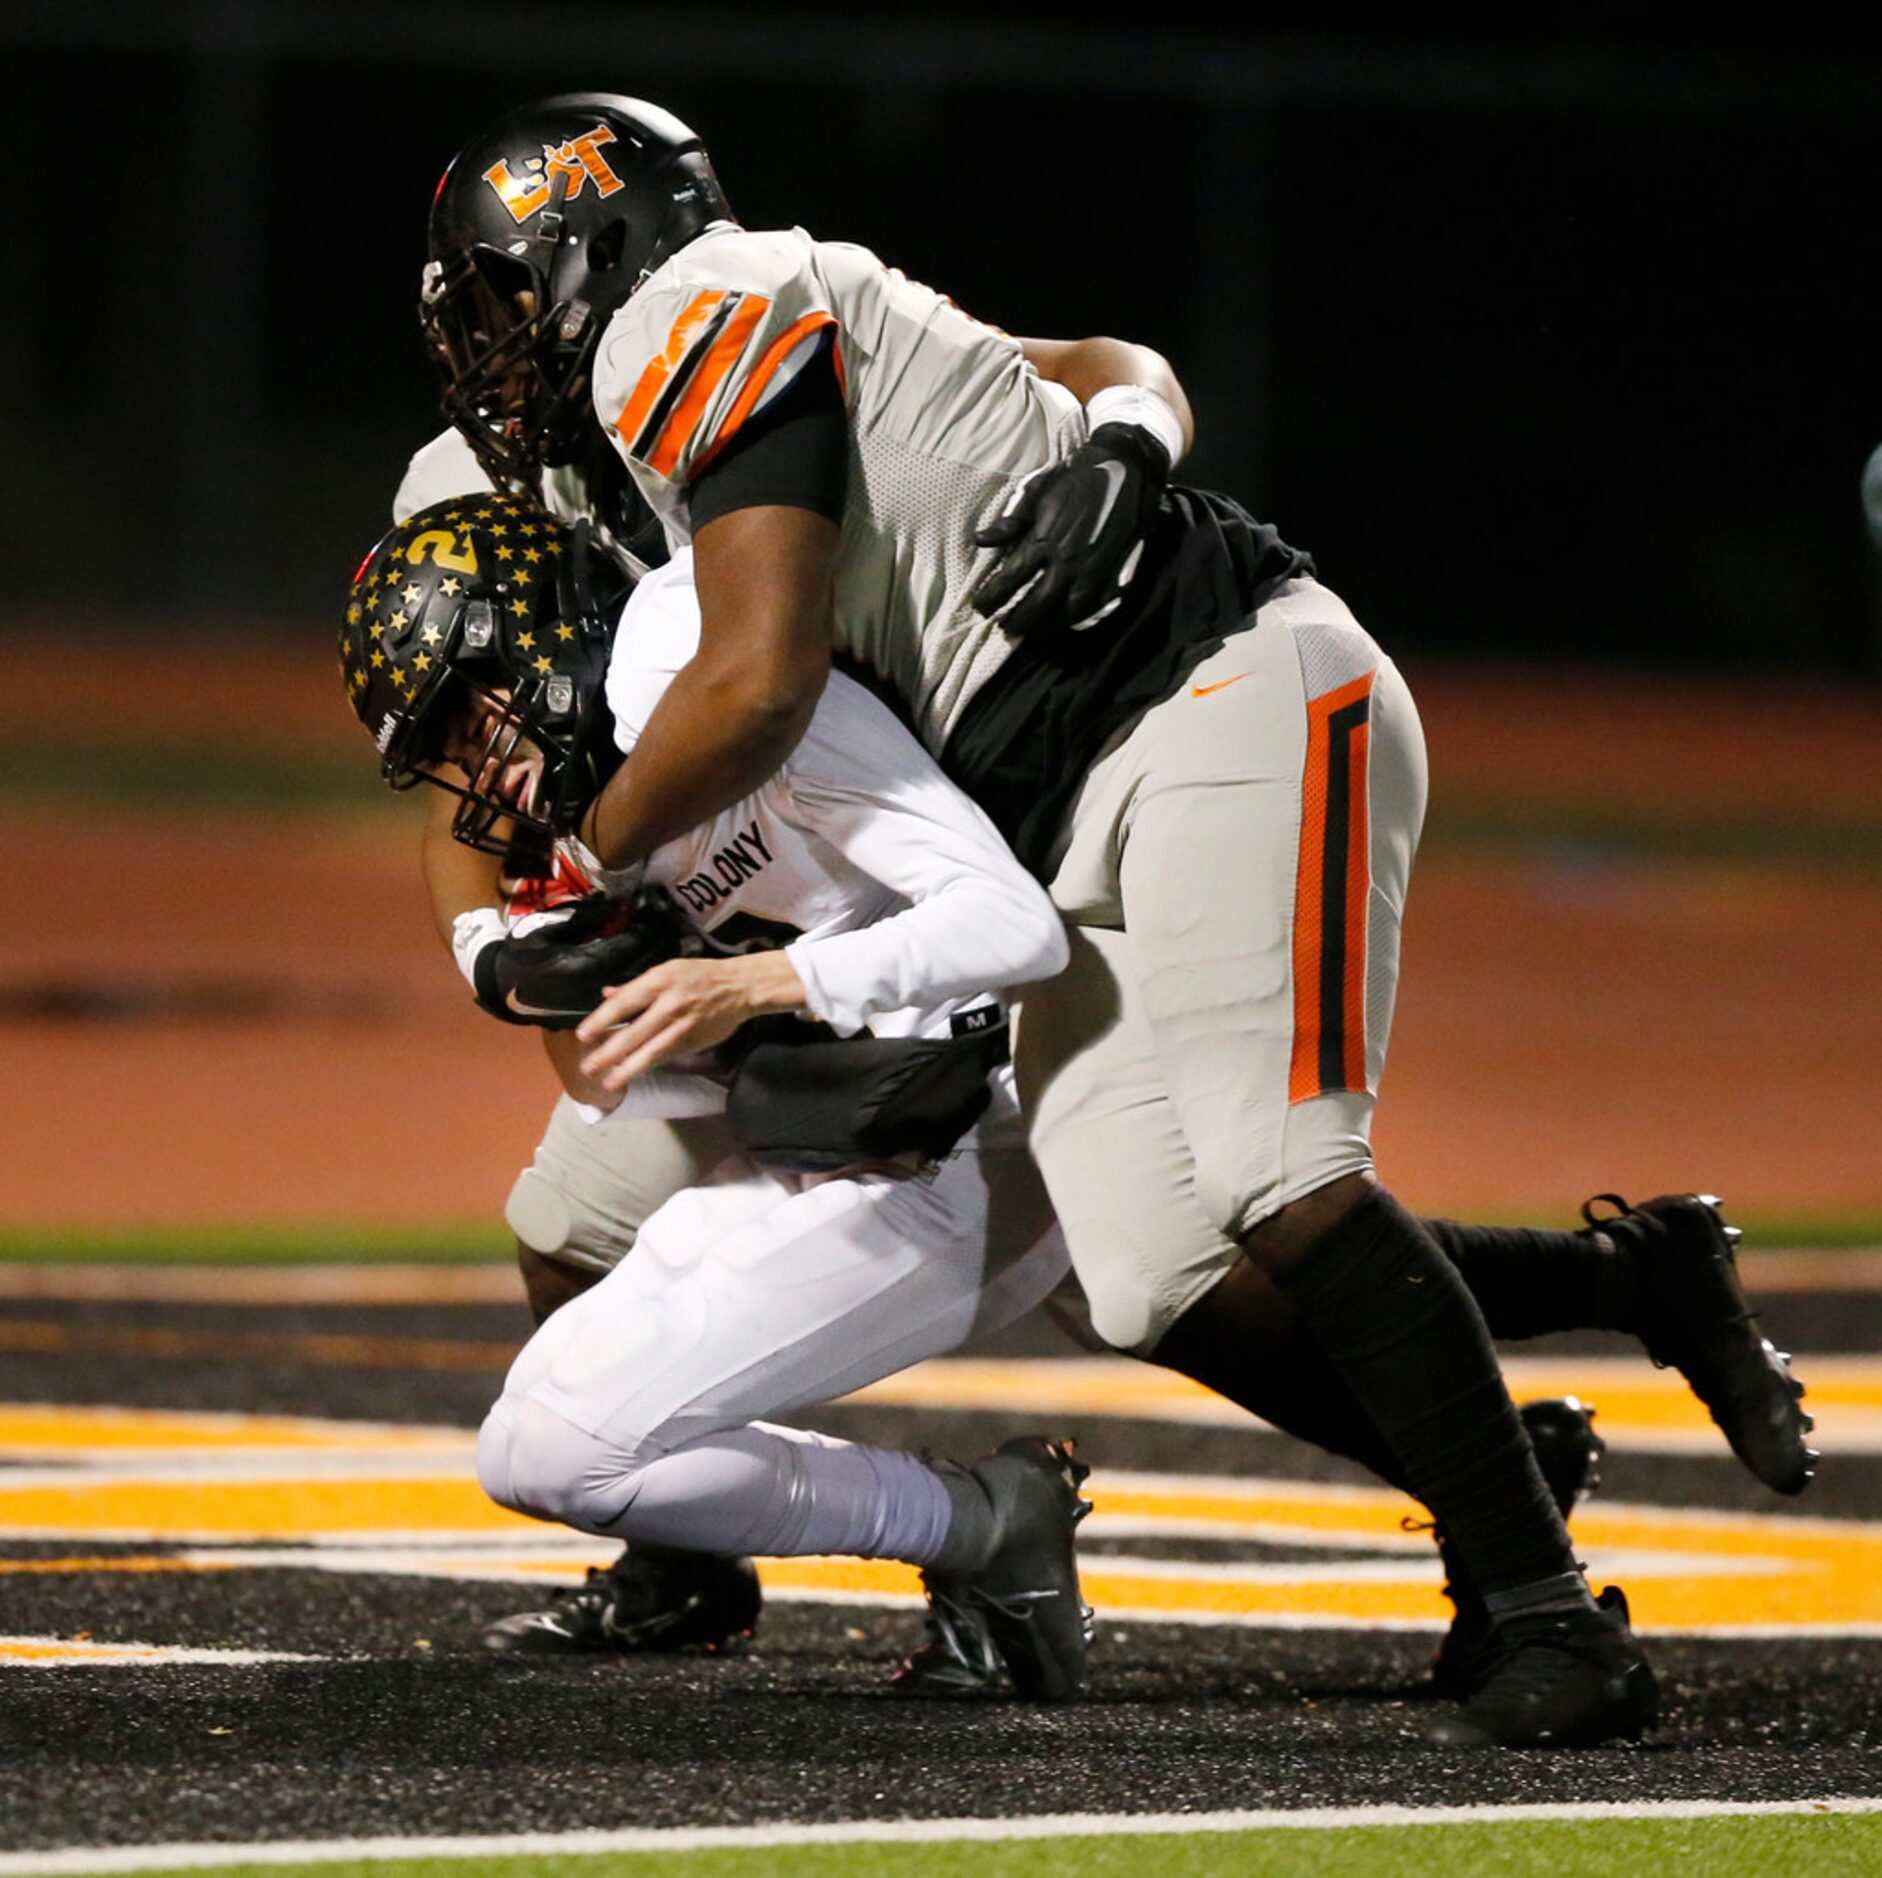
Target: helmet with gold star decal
474, 648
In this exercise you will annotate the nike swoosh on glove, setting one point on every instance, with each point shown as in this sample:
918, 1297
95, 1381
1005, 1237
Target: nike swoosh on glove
555, 975
1073, 534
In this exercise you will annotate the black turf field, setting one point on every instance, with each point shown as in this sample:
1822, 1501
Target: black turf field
409, 1728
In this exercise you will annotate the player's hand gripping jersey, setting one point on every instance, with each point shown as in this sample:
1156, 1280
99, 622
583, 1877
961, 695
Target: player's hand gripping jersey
945, 419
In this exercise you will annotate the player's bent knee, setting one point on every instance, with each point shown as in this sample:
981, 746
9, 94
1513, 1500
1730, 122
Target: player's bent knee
538, 1212
1288, 1238
1124, 1299
533, 1461
493, 1457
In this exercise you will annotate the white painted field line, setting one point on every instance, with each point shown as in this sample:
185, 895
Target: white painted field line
64, 1653
894, 1832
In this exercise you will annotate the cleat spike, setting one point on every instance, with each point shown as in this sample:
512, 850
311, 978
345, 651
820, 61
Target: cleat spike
1696, 1318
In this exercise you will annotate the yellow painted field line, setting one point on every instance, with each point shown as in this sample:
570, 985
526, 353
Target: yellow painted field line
36, 1650
1637, 1405
55, 1652
1778, 1571
209, 1508
29, 1430
166, 1562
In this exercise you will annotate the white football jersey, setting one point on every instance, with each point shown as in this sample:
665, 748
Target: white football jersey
901, 905
447, 466
946, 418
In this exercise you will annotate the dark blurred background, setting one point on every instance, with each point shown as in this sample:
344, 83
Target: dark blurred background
1560, 353
1544, 347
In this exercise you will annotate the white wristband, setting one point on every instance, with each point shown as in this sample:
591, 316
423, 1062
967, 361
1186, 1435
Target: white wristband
1137, 404
470, 933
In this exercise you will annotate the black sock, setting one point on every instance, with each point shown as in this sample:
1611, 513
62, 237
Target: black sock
1394, 1318
1527, 1282
1291, 1386
1240, 1339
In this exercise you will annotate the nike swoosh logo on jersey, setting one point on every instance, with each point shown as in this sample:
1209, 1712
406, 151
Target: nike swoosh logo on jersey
1113, 474
536, 1010
1221, 684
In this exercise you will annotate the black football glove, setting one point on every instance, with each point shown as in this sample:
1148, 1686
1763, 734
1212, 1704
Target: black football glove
554, 976
1073, 534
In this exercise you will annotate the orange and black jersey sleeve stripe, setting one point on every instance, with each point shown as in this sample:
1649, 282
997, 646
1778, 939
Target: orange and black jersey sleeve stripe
695, 395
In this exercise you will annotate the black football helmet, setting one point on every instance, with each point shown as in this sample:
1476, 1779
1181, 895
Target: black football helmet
487, 610
540, 229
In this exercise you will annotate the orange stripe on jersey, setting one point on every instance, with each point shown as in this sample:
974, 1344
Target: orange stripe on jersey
1358, 903
668, 447
761, 374
653, 380
1331, 892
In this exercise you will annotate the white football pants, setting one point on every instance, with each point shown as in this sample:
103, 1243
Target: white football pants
635, 1409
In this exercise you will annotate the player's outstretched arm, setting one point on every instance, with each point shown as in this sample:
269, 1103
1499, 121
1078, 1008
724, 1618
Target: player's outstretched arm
765, 577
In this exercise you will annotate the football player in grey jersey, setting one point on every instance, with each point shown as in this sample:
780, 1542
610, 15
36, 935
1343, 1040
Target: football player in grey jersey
1216, 770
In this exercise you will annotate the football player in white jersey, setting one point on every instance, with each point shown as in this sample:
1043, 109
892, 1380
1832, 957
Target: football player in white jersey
852, 1238
1216, 769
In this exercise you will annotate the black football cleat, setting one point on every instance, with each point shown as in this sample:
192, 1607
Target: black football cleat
956, 1657
1561, 1430
645, 1601
1694, 1317
1025, 1602
1561, 1679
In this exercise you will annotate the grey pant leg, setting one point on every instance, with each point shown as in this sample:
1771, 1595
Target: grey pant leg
1292, 750
591, 1187
1107, 1140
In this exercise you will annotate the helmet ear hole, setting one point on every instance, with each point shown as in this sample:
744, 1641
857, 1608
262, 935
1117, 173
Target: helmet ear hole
606, 249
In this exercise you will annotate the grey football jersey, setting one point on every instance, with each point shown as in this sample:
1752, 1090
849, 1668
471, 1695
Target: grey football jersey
946, 418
